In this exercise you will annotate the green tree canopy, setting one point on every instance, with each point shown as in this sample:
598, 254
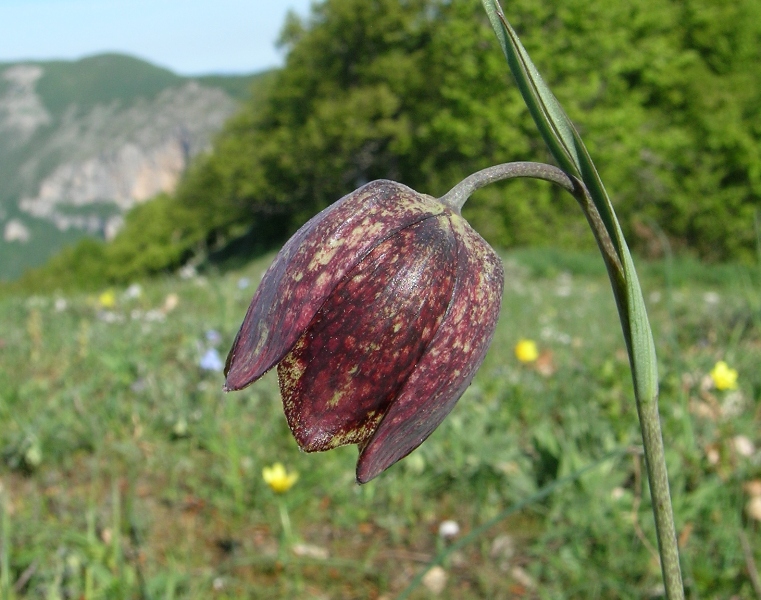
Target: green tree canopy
664, 92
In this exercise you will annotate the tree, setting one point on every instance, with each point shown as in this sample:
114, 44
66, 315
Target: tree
663, 91
415, 91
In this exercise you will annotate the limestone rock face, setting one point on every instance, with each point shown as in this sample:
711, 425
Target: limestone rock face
123, 157
21, 110
77, 160
15, 231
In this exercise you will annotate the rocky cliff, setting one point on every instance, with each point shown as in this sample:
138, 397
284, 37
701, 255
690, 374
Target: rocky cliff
74, 157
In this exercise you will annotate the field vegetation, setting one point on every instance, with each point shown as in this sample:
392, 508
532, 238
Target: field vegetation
127, 473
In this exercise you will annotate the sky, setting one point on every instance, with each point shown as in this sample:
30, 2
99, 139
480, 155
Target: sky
190, 37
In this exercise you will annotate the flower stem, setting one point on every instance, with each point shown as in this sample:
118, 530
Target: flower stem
647, 407
459, 194
285, 521
5, 546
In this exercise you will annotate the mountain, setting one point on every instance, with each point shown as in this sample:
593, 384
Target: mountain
82, 142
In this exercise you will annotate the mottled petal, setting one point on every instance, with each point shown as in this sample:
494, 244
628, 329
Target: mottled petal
309, 267
448, 365
341, 376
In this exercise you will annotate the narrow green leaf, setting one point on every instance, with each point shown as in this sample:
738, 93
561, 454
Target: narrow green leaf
566, 146
569, 150
541, 102
635, 323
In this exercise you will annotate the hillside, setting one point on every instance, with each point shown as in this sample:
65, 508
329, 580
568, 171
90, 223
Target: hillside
82, 142
418, 92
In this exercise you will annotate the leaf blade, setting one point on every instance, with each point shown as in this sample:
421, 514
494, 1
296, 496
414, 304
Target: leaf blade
568, 149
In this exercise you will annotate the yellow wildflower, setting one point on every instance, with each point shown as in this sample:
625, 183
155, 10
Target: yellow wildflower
107, 299
723, 377
278, 478
526, 351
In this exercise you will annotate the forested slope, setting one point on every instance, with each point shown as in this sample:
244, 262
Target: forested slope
664, 92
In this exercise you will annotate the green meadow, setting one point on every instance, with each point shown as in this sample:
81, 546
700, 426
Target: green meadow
126, 472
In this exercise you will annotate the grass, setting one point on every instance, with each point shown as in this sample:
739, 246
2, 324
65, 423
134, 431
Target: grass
125, 472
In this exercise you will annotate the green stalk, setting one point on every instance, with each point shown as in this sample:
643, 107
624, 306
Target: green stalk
92, 542
116, 537
459, 194
648, 411
568, 149
286, 534
5, 548
285, 521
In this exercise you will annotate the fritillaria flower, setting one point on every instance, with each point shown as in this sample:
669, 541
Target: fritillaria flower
377, 314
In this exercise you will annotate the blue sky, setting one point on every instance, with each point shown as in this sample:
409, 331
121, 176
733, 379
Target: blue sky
190, 37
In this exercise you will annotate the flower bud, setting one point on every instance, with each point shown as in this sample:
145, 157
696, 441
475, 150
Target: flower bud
377, 313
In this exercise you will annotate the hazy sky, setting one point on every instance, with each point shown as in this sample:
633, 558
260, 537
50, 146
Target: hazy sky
188, 36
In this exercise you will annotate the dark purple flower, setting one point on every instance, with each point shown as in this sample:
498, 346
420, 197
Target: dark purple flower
377, 313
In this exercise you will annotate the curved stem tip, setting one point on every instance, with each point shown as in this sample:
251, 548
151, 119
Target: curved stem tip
459, 194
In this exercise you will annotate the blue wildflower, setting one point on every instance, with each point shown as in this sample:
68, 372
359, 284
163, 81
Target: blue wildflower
211, 361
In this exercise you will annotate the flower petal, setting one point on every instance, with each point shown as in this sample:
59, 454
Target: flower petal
309, 267
363, 343
449, 363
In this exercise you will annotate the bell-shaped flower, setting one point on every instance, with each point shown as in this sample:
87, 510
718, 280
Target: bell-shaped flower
377, 313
